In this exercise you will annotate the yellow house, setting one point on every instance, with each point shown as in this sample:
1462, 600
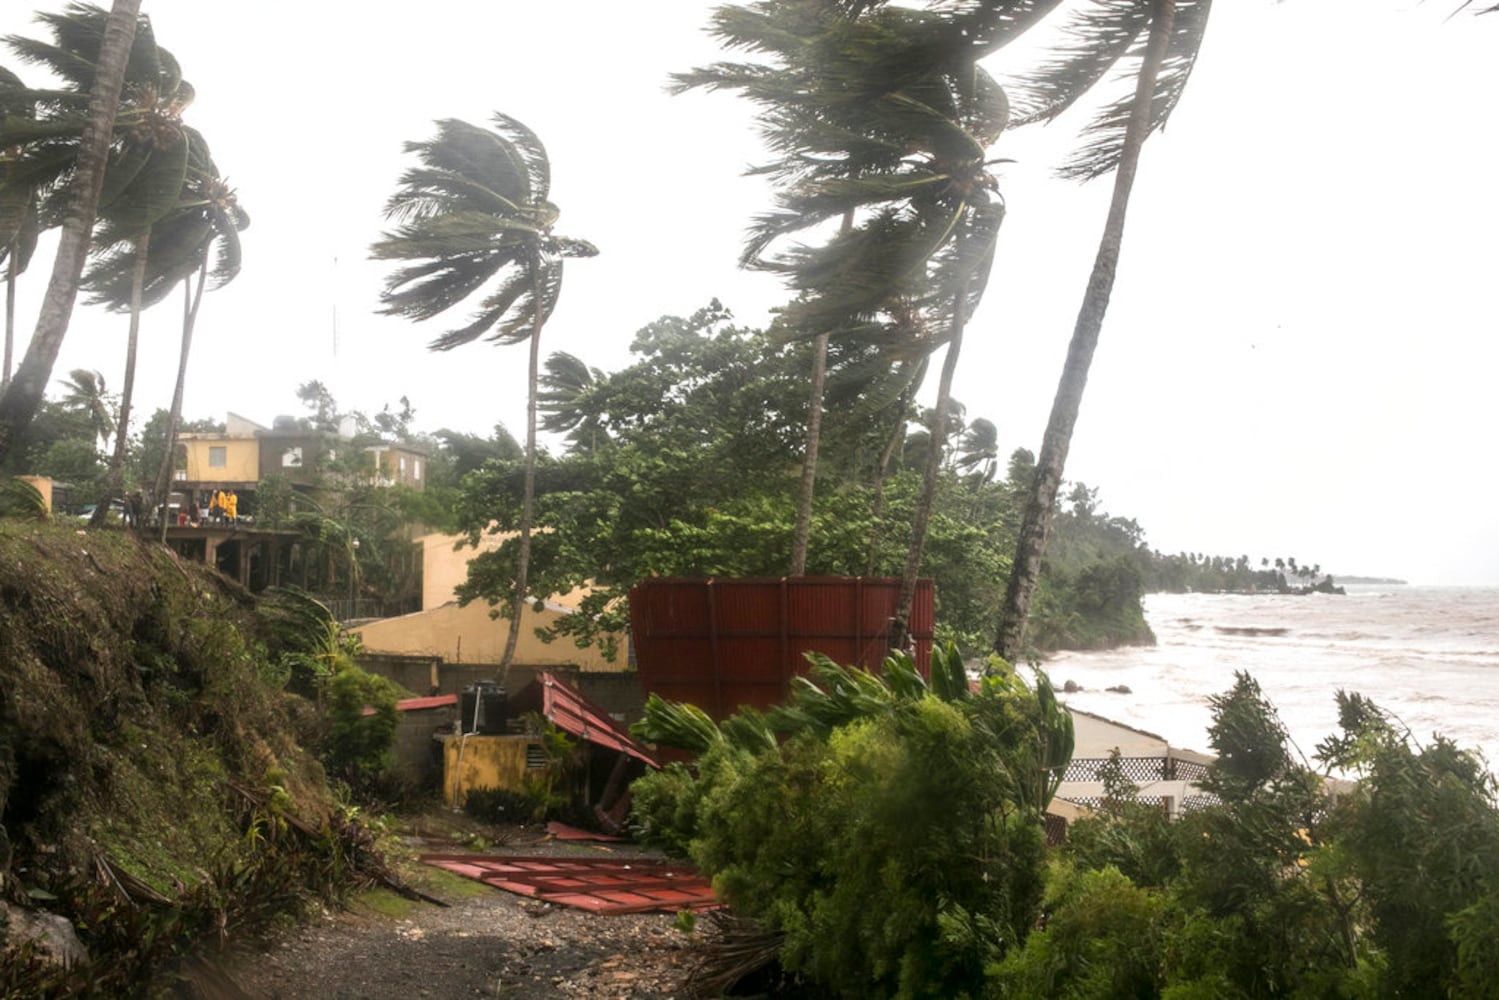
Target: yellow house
228, 459
469, 634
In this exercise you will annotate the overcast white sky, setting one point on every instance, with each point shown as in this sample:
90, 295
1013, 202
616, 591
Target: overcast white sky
1297, 360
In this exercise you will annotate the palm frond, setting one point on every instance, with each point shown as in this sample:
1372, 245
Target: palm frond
1101, 153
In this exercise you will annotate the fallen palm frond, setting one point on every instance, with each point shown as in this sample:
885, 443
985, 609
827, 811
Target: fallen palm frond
732, 950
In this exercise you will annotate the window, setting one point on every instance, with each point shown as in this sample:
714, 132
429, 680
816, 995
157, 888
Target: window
416, 470
291, 458
218, 456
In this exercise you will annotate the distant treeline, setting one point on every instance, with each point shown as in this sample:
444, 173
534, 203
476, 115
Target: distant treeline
1196, 572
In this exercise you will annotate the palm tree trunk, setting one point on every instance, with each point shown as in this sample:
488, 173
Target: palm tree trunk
23, 396
116, 482
900, 622
814, 438
809, 458
877, 510
10, 312
528, 491
192, 299
1040, 508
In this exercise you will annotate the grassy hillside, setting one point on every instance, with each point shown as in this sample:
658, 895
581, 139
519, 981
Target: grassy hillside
153, 785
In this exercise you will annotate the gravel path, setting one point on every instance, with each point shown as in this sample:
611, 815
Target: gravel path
490, 944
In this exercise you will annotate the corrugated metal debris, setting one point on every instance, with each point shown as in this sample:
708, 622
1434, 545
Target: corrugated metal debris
600, 885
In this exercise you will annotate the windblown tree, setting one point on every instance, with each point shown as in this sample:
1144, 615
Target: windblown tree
197, 245
143, 184
474, 219
18, 211
98, 78
880, 120
87, 395
1159, 40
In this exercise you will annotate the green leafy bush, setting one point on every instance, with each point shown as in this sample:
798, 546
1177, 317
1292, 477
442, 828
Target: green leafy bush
358, 748
893, 841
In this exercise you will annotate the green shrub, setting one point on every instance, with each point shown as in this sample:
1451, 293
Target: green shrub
359, 746
496, 805
892, 841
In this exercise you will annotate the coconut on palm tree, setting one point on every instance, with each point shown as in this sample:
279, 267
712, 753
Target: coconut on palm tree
475, 226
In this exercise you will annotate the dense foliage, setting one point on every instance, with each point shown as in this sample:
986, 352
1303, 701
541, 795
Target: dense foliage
158, 784
679, 466
1288, 887
891, 840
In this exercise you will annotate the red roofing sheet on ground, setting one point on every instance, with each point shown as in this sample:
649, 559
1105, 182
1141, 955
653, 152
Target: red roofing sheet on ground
602, 885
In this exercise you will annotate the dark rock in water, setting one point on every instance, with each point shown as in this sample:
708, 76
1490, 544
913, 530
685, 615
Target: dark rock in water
1072, 687
1121, 689
1248, 630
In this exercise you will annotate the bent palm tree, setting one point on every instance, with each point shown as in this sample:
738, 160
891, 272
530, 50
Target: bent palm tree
144, 174
18, 211
206, 226
474, 216
103, 77
880, 118
1163, 36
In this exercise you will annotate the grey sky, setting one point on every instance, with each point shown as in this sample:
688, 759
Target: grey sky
1296, 361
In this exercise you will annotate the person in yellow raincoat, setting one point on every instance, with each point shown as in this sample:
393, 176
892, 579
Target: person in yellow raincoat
231, 507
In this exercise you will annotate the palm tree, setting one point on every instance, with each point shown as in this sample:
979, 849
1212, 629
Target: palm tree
566, 400
86, 394
143, 184
978, 451
104, 76
205, 226
475, 216
18, 211
881, 119
1164, 37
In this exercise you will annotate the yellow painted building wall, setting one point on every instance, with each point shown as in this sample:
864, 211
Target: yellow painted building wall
444, 567
43, 485
469, 635
483, 762
241, 460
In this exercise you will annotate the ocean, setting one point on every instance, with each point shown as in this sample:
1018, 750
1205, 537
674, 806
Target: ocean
1428, 655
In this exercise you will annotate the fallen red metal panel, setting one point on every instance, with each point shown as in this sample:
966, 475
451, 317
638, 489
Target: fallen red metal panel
600, 885
569, 710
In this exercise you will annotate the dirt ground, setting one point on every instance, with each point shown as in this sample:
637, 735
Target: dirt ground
487, 943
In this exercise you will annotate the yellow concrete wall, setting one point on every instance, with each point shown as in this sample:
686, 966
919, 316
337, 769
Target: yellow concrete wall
482, 762
444, 568
241, 457
469, 635
43, 485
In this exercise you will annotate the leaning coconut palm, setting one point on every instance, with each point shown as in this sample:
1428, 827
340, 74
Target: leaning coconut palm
198, 245
567, 402
85, 393
474, 216
880, 119
147, 161
18, 210
1161, 39
143, 184
102, 77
